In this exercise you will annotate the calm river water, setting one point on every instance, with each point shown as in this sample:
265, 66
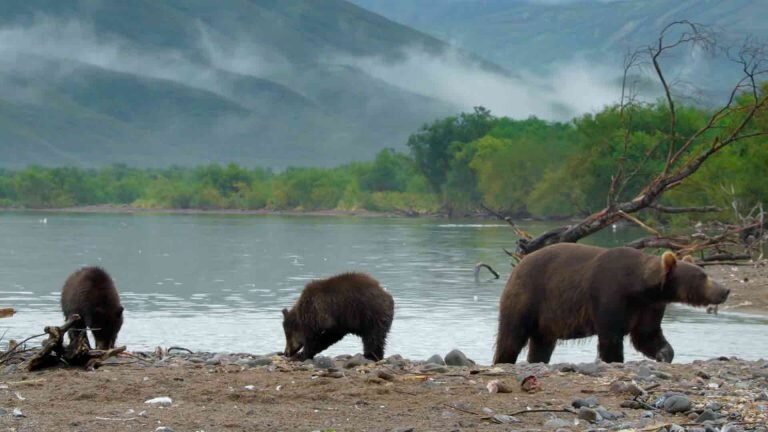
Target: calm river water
218, 282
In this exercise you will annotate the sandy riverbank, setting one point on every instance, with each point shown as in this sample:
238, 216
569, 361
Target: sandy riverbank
748, 284
237, 392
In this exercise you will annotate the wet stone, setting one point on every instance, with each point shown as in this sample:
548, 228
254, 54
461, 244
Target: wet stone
436, 359
702, 374
556, 423
732, 428
589, 415
714, 406
434, 368
607, 414
457, 358
323, 362
254, 362
644, 372
676, 428
504, 419
589, 402
706, 415
355, 361
677, 403
589, 368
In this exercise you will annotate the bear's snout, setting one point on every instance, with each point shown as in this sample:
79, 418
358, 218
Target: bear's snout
718, 292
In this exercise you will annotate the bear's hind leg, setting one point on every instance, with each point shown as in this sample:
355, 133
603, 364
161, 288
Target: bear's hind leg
540, 349
509, 343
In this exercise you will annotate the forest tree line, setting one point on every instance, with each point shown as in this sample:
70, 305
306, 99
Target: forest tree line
454, 165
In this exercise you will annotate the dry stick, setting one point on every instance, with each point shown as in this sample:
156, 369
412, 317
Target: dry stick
462, 409
480, 265
542, 410
178, 349
639, 223
4, 356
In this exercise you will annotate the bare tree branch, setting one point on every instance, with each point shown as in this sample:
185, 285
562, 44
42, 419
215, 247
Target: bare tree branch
730, 124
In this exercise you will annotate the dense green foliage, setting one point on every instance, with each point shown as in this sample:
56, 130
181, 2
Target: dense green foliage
389, 183
459, 163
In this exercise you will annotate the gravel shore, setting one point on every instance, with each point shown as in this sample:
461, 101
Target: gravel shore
182, 391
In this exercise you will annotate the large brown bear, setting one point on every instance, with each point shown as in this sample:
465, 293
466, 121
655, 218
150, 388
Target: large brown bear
91, 293
329, 309
570, 291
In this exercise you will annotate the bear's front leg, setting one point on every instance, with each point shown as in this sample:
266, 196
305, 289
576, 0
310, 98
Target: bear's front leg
653, 344
610, 346
647, 336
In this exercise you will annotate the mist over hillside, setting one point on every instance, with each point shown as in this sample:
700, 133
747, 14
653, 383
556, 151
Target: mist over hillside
258, 82
542, 36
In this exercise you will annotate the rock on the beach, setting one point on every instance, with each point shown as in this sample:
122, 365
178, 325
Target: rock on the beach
644, 372
355, 361
706, 415
17, 413
323, 362
457, 358
590, 368
589, 415
608, 415
163, 429
159, 401
436, 359
677, 403
434, 368
504, 419
254, 362
589, 402
556, 423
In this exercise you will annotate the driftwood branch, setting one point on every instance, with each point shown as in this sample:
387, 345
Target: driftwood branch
77, 353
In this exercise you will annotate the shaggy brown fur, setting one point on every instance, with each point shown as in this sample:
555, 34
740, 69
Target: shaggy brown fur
329, 309
90, 293
570, 291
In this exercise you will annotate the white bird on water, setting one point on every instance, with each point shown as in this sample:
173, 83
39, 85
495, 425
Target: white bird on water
44, 221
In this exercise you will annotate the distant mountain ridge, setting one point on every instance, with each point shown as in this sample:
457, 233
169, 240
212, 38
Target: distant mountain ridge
161, 82
540, 35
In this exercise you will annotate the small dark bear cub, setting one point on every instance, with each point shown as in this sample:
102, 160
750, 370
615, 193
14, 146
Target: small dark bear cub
329, 309
571, 291
91, 293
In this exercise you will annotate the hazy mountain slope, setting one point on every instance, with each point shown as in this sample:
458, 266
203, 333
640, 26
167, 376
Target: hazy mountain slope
156, 82
541, 35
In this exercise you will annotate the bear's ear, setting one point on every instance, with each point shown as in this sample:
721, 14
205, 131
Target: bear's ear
668, 262
689, 259
285, 312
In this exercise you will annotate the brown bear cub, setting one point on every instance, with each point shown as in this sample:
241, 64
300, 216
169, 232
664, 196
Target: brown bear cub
90, 293
329, 309
570, 291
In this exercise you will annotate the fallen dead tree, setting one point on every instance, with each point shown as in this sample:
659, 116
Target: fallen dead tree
54, 353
